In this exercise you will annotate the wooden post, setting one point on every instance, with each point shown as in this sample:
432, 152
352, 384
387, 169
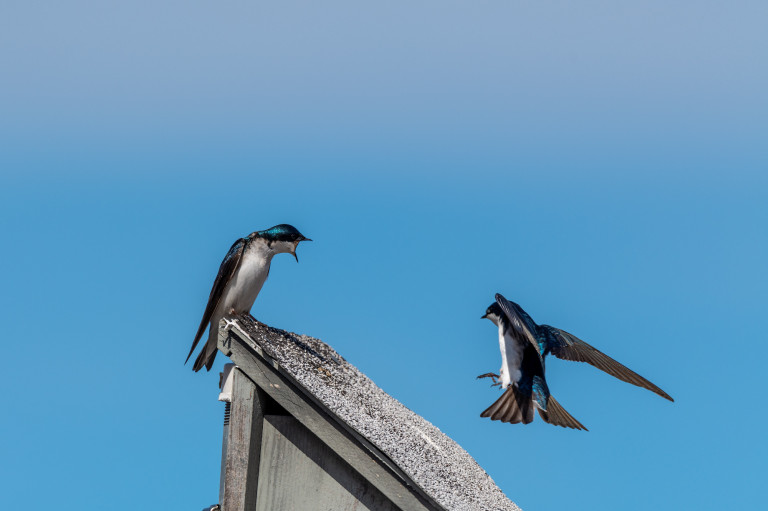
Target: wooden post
241, 449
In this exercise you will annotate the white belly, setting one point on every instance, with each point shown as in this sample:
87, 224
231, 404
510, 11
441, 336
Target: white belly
511, 358
245, 284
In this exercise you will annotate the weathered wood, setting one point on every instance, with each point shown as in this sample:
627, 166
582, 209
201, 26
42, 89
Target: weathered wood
301, 473
358, 452
242, 445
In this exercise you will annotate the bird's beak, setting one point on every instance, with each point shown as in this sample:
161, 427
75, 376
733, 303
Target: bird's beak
484, 316
296, 245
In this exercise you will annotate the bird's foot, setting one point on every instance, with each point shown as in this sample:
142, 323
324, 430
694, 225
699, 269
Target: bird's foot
493, 376
229, 323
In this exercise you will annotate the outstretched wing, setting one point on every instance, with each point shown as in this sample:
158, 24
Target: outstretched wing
227, 269
569, 347
521, 322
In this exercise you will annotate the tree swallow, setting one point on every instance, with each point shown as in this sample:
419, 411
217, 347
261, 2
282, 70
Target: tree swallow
241, 275
547, 339
522, 375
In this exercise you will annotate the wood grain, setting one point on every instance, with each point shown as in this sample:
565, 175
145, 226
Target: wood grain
301, 473
354, 449
241, 450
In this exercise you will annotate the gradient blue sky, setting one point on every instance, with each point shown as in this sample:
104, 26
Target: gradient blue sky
602, 163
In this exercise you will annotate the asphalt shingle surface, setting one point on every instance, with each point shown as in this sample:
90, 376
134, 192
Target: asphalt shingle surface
432, 460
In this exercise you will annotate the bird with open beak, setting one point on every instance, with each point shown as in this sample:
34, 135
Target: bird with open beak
241, 275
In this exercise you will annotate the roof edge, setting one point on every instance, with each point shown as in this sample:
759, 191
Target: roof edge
264, 370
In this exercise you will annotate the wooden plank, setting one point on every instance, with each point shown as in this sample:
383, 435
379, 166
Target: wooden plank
224, 444
301, 473
242, 445
361, 455
235, 332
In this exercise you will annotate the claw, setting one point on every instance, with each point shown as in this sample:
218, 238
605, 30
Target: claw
229, 323
493, 376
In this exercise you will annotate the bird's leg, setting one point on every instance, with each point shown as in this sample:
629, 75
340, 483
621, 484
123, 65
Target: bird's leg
493, 376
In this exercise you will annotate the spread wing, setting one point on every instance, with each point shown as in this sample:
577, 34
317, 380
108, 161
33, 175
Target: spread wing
227, 269
521, 322
569, 347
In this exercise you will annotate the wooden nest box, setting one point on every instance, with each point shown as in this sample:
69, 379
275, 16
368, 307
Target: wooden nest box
305, 430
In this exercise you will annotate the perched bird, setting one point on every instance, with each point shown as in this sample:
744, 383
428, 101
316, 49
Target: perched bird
548, 339
522, 375
241, 275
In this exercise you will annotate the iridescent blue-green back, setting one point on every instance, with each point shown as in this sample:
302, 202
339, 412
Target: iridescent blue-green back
532, 327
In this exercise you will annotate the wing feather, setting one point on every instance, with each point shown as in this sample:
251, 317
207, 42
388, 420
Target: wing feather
569, 347
521, 322
227, 269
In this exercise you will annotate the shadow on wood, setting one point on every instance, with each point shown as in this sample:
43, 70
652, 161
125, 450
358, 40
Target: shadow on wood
308, 431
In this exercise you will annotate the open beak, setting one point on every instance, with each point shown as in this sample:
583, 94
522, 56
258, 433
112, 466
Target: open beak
296, 245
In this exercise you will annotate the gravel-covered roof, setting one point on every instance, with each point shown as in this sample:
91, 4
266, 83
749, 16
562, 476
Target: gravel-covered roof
437, 464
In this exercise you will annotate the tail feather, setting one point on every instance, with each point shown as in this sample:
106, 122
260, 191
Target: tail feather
208, 353
557, 416
488, 412
512, 407
528, 411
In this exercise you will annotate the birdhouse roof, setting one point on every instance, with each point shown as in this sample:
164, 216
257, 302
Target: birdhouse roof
433, 469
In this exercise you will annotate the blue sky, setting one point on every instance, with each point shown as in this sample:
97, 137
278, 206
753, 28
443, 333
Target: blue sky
603, 165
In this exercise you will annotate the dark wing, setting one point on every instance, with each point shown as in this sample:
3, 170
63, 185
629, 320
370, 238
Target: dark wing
521, 322
569, 347
513, 406
227, 269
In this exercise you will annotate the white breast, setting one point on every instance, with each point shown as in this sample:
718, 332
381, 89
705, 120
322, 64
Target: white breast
246, 283
511, 357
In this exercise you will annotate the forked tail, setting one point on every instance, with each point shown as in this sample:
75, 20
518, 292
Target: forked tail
513, 407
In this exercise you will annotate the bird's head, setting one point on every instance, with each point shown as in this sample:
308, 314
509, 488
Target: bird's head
493, 312
282, 238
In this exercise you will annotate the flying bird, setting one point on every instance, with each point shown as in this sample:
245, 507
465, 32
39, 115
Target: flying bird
547, 340
522, 375
241, 275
